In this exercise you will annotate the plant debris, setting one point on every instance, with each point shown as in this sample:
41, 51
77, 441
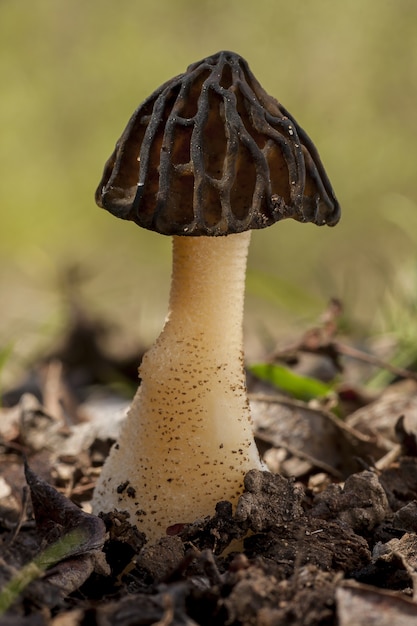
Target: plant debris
327, 537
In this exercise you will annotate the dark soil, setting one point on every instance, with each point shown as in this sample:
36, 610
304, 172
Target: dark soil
327, 537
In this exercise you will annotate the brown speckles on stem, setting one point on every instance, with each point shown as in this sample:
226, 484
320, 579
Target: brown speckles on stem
240, 161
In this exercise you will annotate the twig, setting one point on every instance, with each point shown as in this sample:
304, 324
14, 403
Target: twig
335, 348
388, 458
359, 355
13, 535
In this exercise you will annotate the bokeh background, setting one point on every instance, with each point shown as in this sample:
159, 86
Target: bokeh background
73, 72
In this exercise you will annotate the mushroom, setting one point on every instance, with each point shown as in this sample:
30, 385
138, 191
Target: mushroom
206, 158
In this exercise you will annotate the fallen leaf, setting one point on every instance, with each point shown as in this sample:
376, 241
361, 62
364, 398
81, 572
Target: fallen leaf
363, 605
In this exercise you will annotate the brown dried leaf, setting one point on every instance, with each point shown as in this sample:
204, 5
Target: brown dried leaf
58, 518
363, 605
315, 435
382, 415
56, 515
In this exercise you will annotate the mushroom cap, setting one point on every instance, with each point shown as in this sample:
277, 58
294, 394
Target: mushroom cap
211, 153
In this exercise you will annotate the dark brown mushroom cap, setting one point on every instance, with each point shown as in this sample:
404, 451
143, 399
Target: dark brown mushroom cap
211, 153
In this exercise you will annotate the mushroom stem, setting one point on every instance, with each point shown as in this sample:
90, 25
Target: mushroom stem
187, 441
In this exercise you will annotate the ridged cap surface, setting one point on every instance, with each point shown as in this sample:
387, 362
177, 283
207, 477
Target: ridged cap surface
211, 153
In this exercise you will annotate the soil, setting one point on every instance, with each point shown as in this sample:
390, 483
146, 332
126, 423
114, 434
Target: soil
326, 537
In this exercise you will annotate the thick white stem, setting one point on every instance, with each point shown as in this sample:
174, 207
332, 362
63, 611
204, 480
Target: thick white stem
187, 441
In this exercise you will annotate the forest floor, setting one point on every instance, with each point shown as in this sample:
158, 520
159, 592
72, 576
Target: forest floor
327, 537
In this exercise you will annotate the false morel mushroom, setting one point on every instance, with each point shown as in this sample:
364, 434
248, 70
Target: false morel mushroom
208, 157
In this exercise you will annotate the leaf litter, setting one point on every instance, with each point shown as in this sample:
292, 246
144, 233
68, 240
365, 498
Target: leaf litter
326, 537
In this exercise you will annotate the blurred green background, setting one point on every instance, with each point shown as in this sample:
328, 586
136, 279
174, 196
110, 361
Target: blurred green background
73, 72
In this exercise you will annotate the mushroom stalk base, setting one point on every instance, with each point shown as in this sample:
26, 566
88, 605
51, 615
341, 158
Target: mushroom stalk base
187, 441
